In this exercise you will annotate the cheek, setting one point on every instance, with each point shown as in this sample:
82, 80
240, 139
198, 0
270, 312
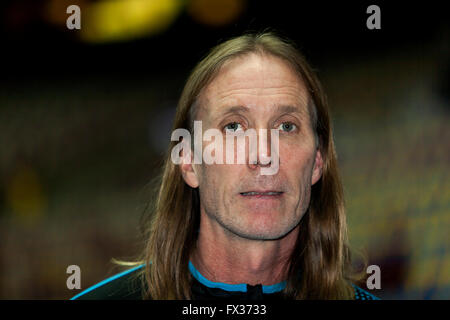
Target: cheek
207, 179
296, 164
296, 159
207, 183
214, 182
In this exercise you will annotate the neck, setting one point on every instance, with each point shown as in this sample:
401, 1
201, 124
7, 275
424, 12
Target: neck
222, 257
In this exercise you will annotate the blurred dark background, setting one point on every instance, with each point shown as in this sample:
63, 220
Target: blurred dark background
85, 117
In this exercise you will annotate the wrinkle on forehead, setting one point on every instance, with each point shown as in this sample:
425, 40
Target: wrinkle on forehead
254, 77
256, 72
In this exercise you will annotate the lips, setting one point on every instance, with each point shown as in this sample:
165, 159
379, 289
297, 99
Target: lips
261, 193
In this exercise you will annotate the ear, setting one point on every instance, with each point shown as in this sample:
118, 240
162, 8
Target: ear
318, 167
187, 169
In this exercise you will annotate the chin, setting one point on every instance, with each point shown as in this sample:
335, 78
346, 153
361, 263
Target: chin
264, 232
263, 236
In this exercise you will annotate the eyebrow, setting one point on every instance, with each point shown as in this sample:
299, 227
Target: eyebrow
283, 109
242, 109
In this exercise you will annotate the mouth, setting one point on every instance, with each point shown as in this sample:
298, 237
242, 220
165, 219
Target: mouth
270, 194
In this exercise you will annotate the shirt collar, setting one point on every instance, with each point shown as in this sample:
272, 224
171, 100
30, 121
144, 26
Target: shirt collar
242, 287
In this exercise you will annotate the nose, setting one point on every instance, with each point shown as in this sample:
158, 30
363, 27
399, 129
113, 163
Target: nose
261, 153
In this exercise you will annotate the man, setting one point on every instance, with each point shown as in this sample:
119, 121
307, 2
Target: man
226, 230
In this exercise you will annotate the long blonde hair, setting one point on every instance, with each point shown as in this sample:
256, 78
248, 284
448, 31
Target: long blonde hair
320, 262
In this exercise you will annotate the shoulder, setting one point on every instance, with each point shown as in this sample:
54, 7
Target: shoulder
122, 286
361, 294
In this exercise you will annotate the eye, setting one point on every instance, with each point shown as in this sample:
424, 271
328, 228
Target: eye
233, 126
287, 126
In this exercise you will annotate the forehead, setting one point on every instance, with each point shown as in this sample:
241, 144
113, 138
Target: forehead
254, 80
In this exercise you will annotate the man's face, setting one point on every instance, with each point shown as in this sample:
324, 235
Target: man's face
269, 95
